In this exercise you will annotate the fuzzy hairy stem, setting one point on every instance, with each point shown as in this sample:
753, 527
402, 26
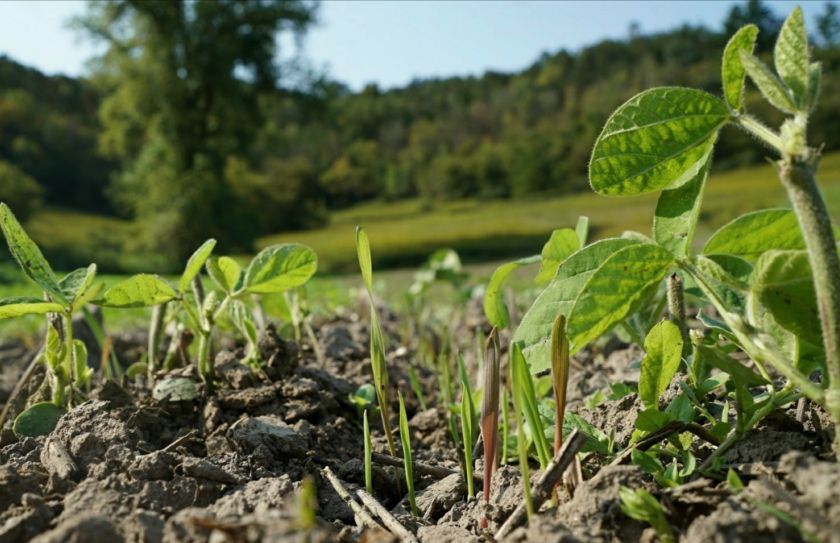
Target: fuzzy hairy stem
676, 309
798, 178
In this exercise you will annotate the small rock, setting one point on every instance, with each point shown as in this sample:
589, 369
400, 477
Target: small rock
204, 469
84, 528
440, 496
268, 431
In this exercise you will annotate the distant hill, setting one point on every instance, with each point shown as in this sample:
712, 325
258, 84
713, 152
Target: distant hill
500, 135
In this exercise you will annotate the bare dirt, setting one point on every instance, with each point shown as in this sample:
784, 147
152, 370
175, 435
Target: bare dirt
124, 467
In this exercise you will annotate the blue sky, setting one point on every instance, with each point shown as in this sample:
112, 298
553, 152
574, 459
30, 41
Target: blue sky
393, 42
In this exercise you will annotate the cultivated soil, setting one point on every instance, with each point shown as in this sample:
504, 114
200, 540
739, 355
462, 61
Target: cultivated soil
229, 467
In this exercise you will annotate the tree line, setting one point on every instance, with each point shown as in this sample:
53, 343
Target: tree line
189, 125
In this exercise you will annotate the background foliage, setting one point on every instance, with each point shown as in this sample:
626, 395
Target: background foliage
190, 128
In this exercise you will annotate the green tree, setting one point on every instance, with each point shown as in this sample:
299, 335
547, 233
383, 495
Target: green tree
182, 82
19, 190
758, 13
828, 25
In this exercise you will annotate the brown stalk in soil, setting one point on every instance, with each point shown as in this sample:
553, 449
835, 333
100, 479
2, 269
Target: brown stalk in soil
545, 486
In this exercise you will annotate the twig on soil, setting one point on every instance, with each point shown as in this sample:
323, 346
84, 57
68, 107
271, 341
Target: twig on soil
548, 480
438, 472
22, 382
180, 441
363, 518
663, 433
389, 520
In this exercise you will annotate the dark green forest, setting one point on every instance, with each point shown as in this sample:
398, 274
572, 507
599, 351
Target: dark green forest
188, 126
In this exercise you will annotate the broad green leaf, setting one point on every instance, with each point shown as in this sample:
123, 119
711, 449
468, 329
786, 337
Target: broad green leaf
141, 290
663, 347
615, 290
676, 213
495, 308
741, 374
17, 307
363, 252
771, 87
37, 420
754, 233
279, 268
814, 85
582, 230
783, 283
28, 255
534, 332
791, 56
194, 264
562, 243
225, 272
732, 70
657, 139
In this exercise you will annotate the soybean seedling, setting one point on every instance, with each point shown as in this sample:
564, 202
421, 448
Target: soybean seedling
764, 272
377, 340
408, 464
66, 358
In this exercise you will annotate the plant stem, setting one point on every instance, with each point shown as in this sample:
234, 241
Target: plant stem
676, 309
798, 178
69, 369
155, 330
763, 133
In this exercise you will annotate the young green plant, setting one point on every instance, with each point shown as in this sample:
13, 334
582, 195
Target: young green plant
764, 272
65, 357
490, 412
408, 463
467, 433
377, 339
521, 440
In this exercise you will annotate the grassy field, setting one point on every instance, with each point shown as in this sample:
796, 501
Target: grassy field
405, 233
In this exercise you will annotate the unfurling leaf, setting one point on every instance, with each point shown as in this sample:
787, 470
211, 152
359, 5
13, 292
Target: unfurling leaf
495, 308
771, 87
225, 272
279, 268
732, 70
663, 348
365, 263
791, 56
563, 242
194, 264
658, 139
